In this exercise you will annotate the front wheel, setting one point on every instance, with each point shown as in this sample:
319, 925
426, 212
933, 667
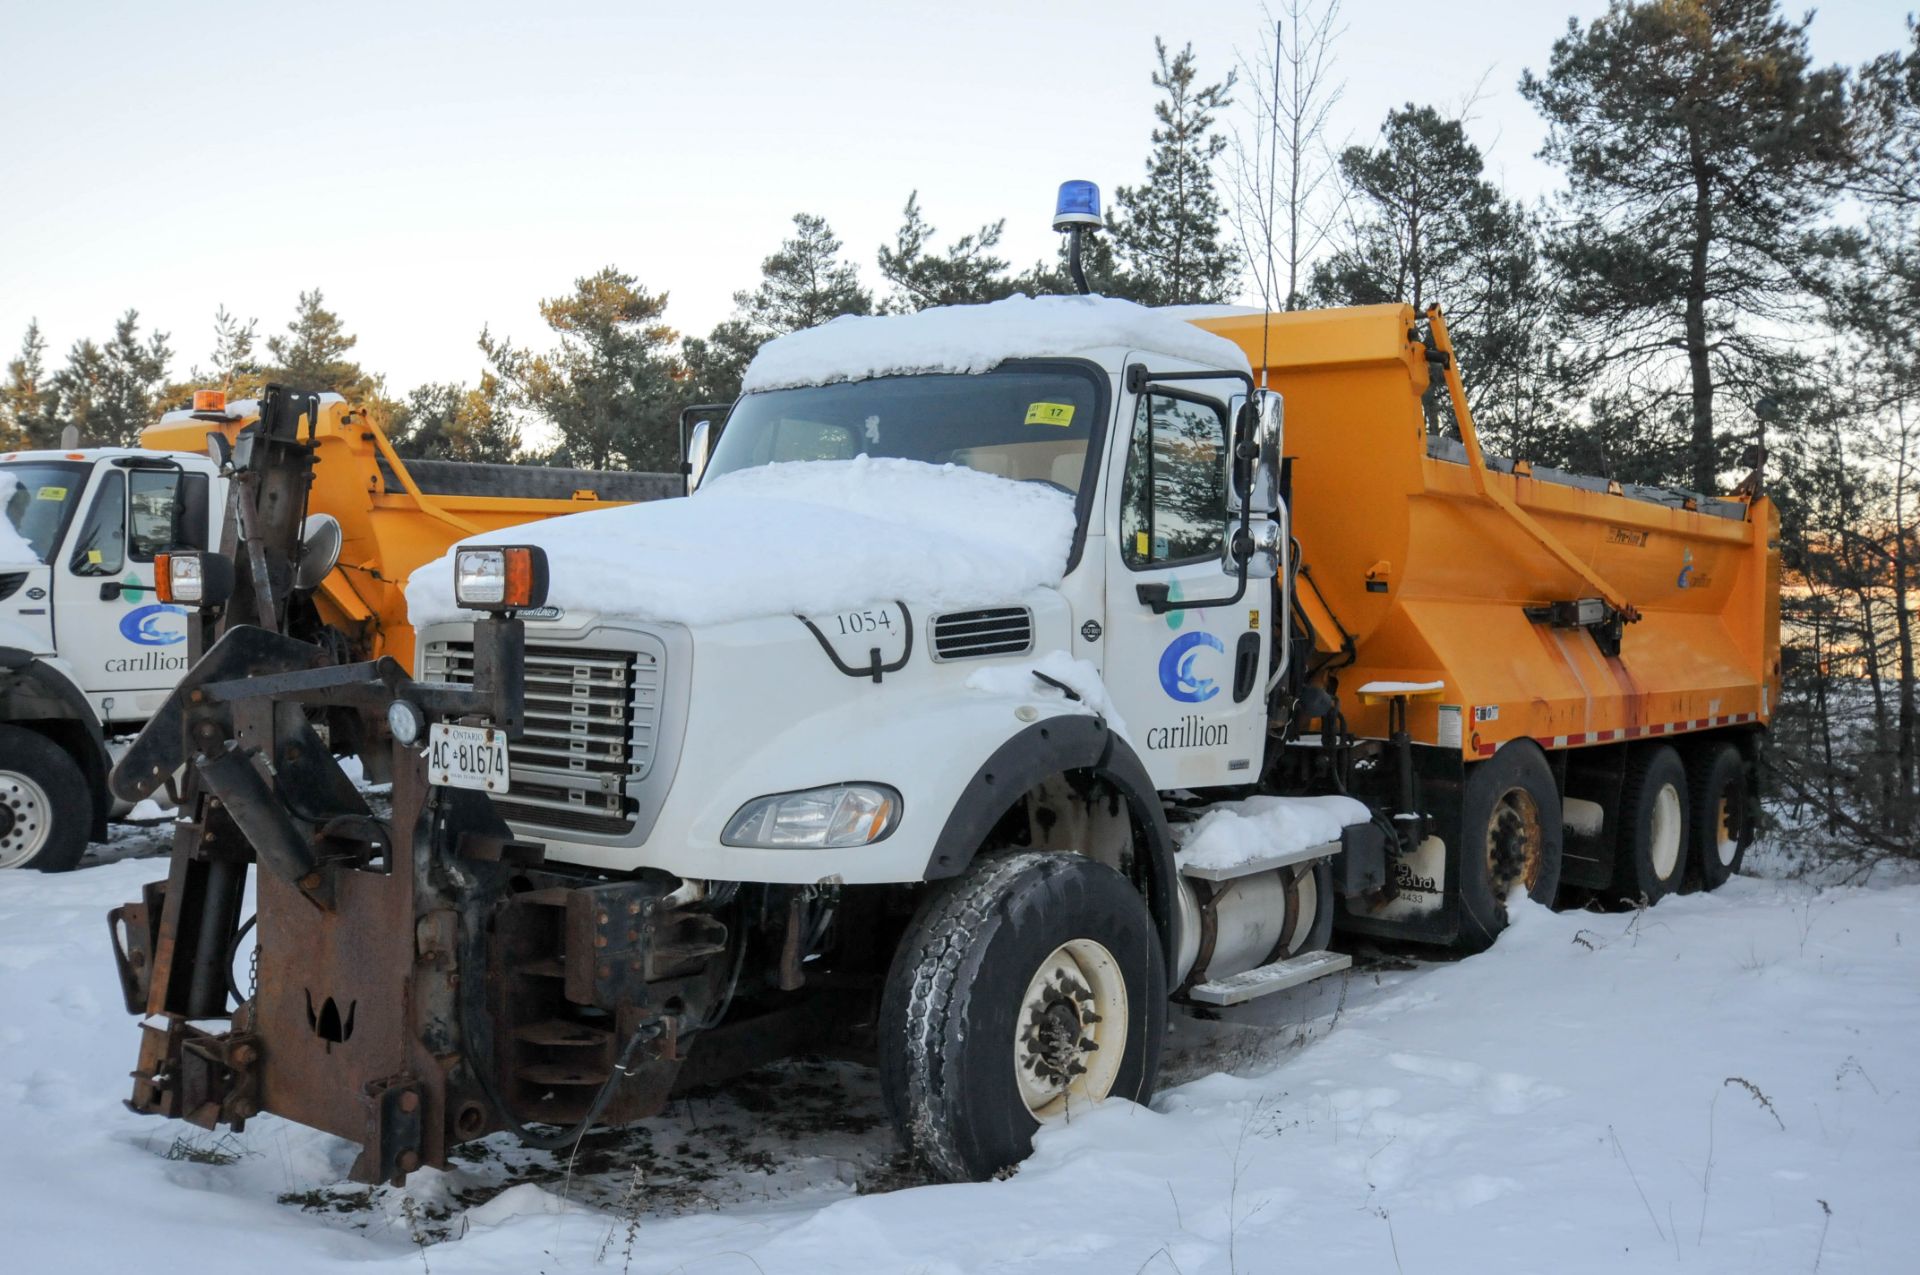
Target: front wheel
43, 803
1026, 990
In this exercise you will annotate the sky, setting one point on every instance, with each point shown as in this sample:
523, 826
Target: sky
436, 168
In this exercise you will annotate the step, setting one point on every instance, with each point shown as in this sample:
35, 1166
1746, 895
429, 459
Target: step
561, 1075
560, 1033
1265, 863
1277, 977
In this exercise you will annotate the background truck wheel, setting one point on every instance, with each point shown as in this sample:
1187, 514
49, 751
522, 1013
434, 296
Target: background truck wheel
1029, 985
44, 811
1722, 819
1510, 837
1651, 859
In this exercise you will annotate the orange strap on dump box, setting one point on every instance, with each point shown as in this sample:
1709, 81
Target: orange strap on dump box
1477, 463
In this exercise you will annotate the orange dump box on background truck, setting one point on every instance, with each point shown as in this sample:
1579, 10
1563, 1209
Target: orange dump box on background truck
1067, 678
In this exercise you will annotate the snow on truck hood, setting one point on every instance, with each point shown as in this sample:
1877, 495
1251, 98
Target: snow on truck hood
978, 338
805, 537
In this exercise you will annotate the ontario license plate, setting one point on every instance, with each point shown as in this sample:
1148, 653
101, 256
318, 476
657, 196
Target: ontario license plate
467, 757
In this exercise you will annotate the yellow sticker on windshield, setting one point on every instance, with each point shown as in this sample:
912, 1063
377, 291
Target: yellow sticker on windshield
51, 493
1050, 414
95, 557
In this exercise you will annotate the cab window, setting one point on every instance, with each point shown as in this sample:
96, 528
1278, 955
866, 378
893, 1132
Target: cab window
101, 548
1173, 495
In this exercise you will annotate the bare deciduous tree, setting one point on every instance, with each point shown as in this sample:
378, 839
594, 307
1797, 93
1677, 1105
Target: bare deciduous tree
1282, 163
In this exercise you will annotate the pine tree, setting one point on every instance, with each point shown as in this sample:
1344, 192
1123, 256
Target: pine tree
1166, 232
1701, 145
451, 421
29, 403
966, 273
607, 388
235, 368
713, 365
1888, 122
313, 353
804, 284
1423, 226
112, 392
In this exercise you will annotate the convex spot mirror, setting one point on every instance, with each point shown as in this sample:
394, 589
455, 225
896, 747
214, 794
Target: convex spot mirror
1260, 546
320, 541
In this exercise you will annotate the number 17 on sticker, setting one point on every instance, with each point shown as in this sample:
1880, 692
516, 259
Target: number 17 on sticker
1050, 414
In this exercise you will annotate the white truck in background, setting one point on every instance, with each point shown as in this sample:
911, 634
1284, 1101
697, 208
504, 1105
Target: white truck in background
87, 651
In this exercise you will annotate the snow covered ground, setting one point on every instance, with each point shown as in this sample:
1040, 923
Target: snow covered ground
1725, 1083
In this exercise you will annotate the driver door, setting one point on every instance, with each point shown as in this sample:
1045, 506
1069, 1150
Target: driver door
127, 646
1187, 680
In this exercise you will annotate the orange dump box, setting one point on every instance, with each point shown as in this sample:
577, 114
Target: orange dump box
1432, 580
397, 515
1525, 603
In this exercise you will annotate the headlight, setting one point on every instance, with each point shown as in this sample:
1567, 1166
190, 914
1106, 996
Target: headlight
817, 819
502, 578
193, 579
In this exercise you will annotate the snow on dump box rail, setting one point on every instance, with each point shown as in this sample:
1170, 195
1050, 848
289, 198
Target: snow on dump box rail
803, 537
1238, 832
977, 338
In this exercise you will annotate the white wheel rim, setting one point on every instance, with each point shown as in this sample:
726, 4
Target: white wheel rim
31, 823
1071, 1032
1306, 910
1664, 836
1726, 837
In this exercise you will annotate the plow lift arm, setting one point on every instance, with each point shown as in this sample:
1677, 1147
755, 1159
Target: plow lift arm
373, 1013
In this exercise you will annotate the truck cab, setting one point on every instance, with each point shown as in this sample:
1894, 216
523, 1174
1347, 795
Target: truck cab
88, 650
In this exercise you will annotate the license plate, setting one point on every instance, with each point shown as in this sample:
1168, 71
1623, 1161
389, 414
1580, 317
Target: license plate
467, 757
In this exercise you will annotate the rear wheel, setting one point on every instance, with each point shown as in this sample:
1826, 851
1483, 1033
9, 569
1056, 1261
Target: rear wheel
43, 803
1651, 858
1510, 839
1722, 818
1027, 989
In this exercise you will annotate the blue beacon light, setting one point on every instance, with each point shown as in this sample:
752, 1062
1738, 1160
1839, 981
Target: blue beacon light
1078, 205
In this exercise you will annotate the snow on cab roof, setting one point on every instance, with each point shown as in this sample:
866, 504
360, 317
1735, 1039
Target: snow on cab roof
977, 338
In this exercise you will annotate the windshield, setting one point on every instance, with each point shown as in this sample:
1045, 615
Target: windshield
1024, 422
39, 497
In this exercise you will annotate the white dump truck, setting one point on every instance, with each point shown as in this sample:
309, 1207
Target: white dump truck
978, 705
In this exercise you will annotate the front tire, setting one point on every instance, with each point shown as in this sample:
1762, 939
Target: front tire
1027, 989
44, 811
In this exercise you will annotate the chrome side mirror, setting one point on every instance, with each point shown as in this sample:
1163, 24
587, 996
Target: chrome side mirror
1260, 547
1269, 435
699, 452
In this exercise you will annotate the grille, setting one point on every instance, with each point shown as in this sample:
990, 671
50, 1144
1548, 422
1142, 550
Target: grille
592, 720
961, 635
